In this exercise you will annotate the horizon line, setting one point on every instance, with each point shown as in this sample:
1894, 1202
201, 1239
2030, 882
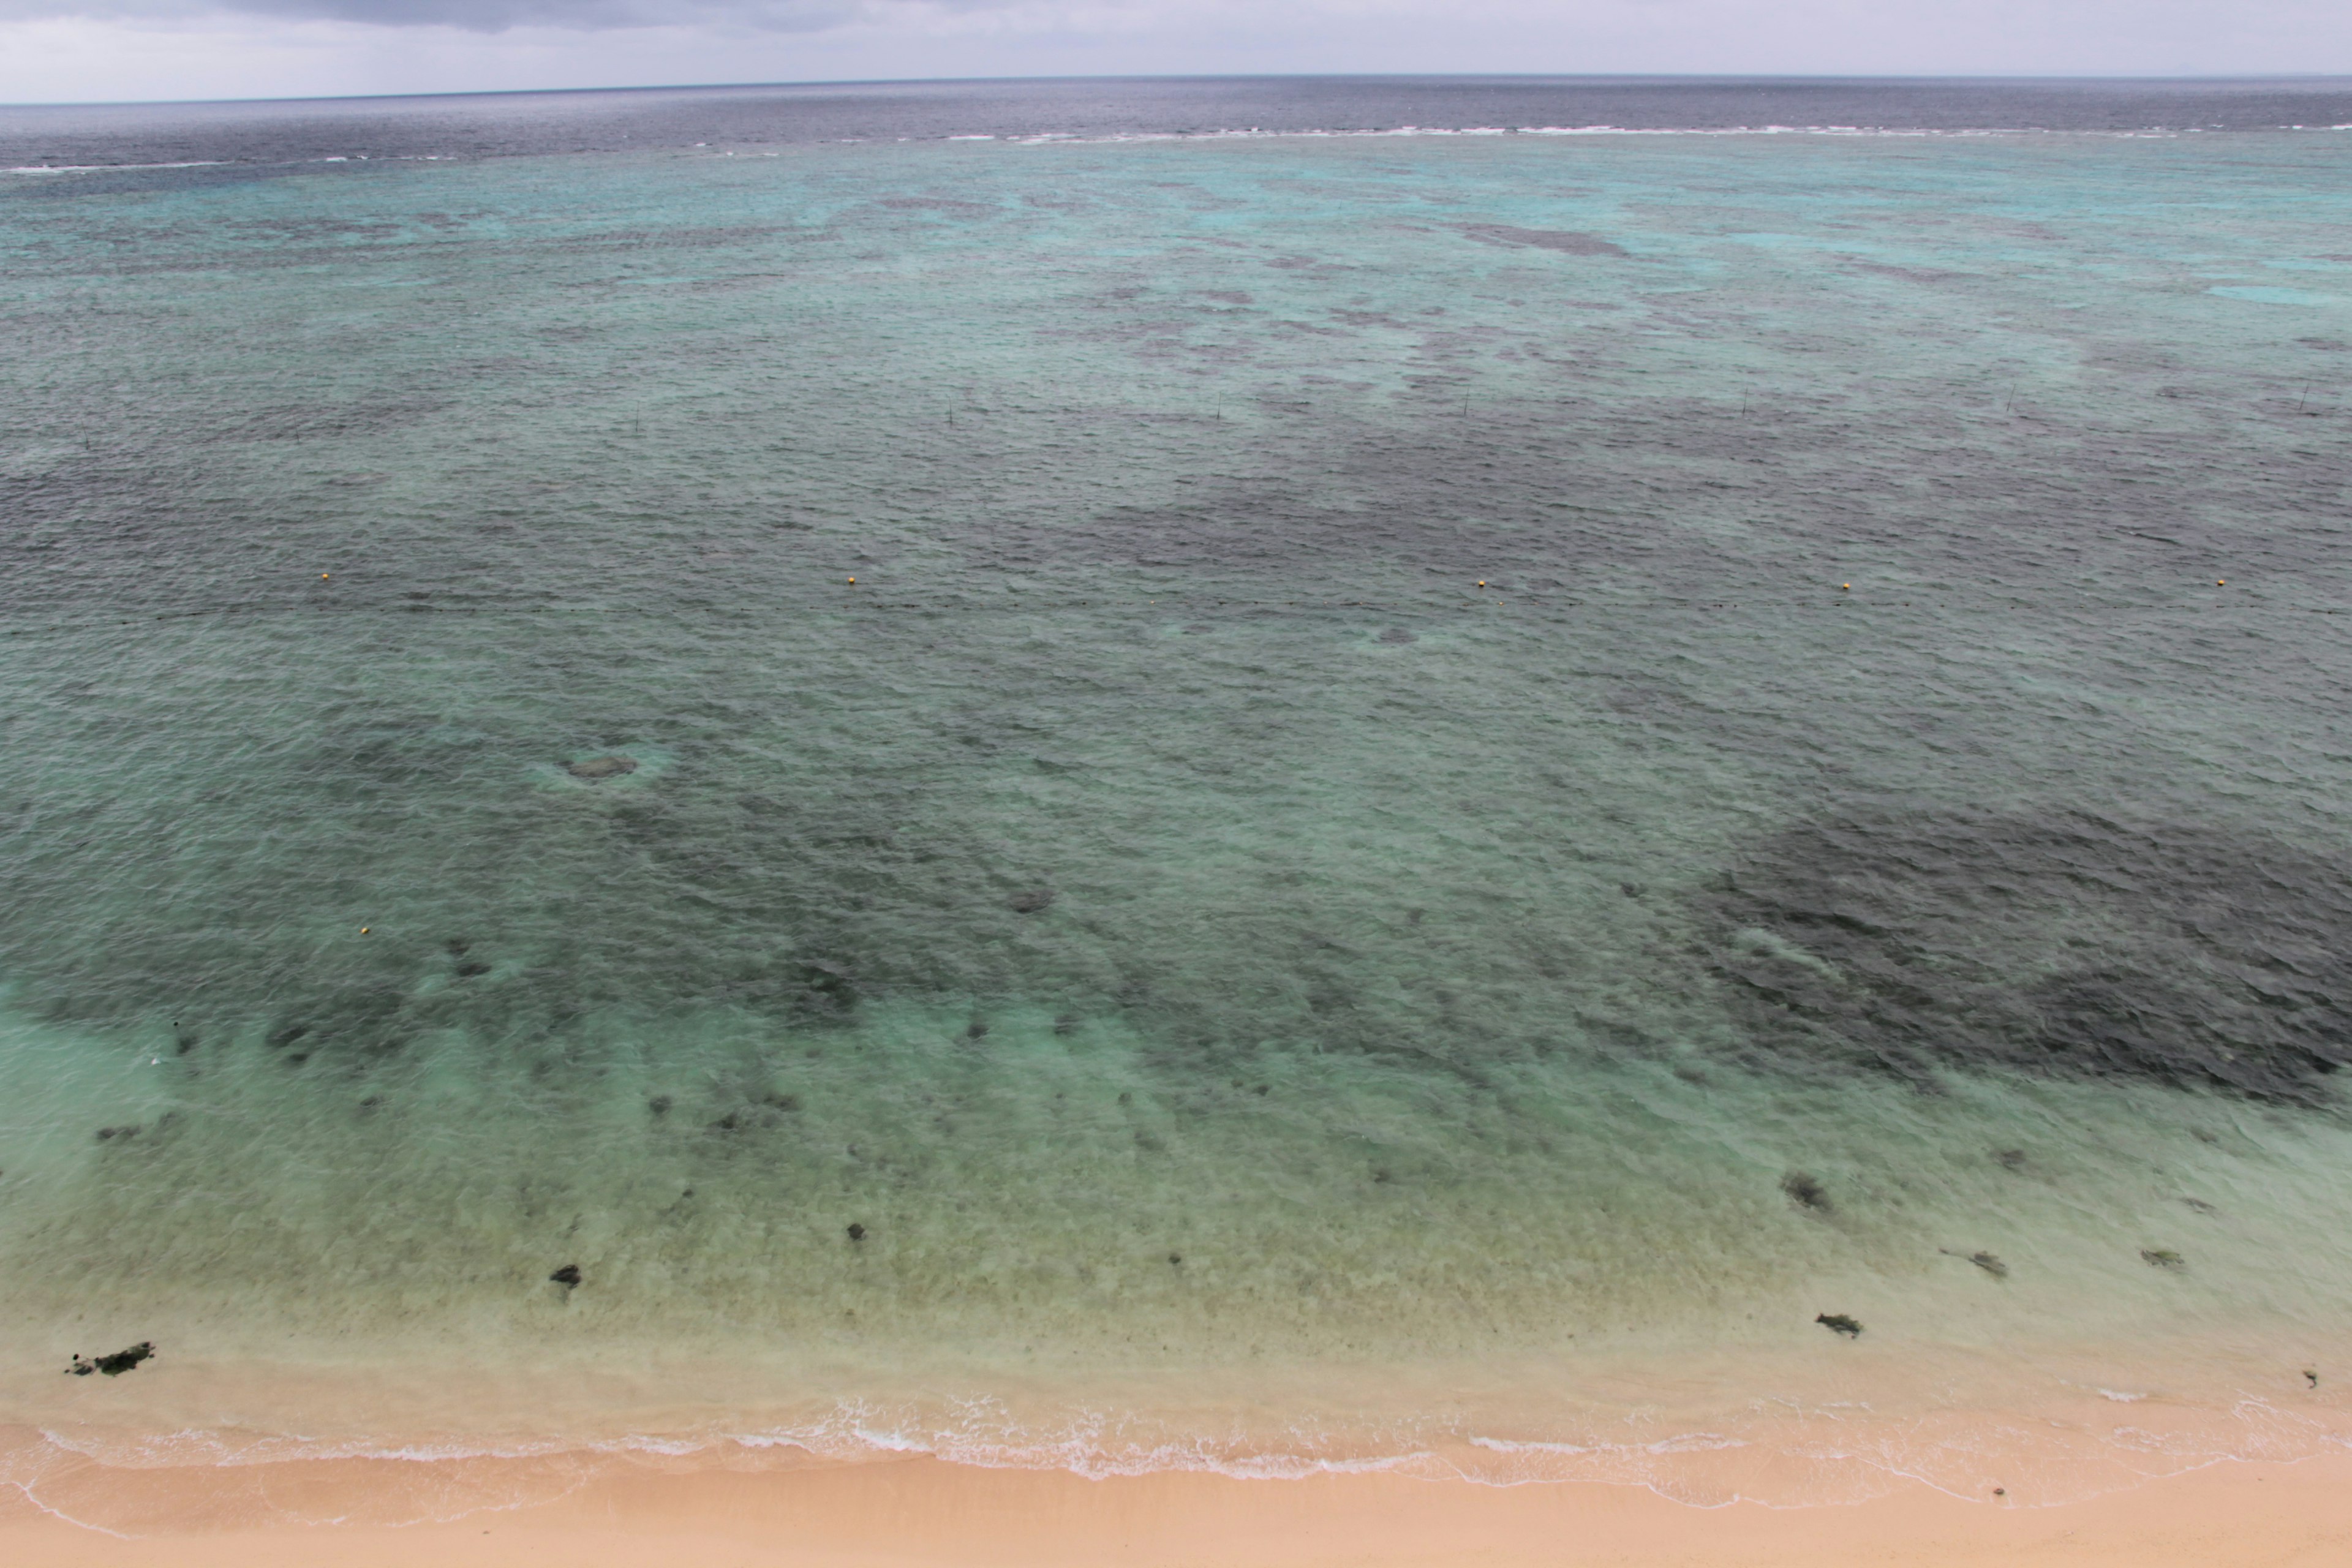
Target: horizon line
2244, 78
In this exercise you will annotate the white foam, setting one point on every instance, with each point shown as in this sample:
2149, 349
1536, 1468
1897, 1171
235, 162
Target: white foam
108, 168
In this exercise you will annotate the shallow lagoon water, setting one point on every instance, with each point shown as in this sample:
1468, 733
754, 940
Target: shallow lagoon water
1464, 780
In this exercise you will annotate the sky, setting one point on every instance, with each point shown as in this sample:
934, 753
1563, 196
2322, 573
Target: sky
64, 51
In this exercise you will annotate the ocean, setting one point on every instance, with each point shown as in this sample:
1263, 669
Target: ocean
1532, 778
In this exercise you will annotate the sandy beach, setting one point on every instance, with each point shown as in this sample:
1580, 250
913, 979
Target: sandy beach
920, 1512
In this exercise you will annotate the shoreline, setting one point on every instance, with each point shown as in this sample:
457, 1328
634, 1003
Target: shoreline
917, 1512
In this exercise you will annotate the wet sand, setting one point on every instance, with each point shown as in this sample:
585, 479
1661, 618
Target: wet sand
925, 1511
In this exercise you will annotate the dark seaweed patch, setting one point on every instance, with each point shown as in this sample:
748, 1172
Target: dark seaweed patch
1839, 1324
2066, 944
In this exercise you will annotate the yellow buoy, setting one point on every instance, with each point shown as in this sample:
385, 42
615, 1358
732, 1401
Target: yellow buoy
2221, 582
1845, 587
323, 576
363, 930
853, 579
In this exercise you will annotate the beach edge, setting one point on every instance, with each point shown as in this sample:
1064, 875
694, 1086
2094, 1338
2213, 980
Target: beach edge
918, 1511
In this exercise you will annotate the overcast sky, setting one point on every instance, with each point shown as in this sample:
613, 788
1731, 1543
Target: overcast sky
100, 50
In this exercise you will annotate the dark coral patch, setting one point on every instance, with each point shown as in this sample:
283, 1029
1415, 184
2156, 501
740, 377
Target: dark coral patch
2065, 944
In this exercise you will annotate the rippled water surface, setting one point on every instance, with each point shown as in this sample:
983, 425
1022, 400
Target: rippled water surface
1174, 800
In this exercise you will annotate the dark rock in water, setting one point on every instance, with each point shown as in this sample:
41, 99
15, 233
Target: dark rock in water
1032, 902
856, 1232
2063, 944
113, 1366
659, 1105
825, 986
1806, 1191
2162, 1257
975, 1030
1396, 635
1176, 1257
1839, 1324
108, 1134
568, 1276
1989, 1262
596, 768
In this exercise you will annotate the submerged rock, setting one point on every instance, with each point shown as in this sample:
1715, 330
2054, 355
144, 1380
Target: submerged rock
824, 986
1839, 1324
1806, 1191
113, 1366
594, 768
2161, 1257
1035, 900
568, 1276
856, 1232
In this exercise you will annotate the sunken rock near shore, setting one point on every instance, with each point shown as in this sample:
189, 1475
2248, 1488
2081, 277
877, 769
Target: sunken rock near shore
113, 1366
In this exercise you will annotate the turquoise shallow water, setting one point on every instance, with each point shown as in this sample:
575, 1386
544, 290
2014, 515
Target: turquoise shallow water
1457, 771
